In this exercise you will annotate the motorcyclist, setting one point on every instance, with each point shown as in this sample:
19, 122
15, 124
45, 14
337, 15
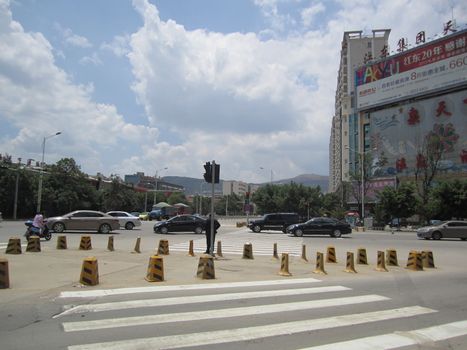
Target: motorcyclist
38, 222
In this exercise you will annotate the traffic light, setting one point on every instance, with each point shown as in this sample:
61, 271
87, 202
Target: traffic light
207, 172
217, 173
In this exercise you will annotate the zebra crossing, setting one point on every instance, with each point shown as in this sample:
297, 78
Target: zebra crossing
279, 309
232, 243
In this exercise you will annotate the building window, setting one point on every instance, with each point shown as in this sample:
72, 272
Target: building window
369, 44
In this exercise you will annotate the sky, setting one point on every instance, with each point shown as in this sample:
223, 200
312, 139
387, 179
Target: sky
163, 86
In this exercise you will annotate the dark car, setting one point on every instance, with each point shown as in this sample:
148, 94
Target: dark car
181, 223
88, 220
274, 221
320, 226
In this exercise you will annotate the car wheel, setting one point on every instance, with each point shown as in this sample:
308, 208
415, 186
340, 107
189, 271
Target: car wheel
257, 228
436, 235
129, 226
298, 233
464, 239
105, 228
58, 227
336, 233
164, 230
198, 230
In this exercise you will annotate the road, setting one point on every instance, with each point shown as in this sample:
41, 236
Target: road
249, 305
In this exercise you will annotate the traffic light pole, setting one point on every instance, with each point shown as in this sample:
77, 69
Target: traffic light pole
213, 174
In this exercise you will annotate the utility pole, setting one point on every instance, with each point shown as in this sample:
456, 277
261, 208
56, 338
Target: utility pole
213, 174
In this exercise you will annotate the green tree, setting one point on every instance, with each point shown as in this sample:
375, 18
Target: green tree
177, 197
119, 197
397, 203
27, 190
449, 200
66, 188
231, 204
288, 198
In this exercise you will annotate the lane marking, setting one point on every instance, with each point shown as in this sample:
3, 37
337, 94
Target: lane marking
145, 303
400, 339
155, 289
217, 313
252, 333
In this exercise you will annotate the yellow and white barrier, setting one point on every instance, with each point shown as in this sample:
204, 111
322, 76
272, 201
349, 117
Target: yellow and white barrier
155, 269
14, 246
350, 266
34, 244
89, 272
61, 242
285, 265
85, 243
331, 255
163, 247
320, 264
247, 251
4, 274
206, 267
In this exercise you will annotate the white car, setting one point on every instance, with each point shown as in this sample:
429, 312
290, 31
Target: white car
125, 219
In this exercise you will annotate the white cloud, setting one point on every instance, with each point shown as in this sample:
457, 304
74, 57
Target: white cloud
38, 99
119, 45
308, 14
241, 99
93, 59
73, 39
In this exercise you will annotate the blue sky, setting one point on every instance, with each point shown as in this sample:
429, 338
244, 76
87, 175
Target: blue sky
145, 85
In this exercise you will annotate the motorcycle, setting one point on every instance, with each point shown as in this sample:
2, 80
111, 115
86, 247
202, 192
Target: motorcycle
36, 231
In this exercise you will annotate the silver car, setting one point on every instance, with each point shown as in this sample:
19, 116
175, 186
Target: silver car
89, 220
444, 229
126, 219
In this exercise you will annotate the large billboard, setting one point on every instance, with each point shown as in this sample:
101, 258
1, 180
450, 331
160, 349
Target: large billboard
399, 134
434, 66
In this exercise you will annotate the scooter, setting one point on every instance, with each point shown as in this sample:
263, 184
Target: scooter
36, 231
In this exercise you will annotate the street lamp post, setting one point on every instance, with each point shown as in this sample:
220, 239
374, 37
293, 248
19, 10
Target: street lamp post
41, 174
155, 190
362, 171
265, 169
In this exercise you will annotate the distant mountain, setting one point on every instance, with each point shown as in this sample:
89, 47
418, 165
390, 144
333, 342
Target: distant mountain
192, 185
195, 186
311, 180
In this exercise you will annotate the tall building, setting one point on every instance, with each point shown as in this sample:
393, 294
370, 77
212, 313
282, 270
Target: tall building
408, 99
345, 140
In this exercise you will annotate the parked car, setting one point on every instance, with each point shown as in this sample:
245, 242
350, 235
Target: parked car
144, 216
155, 214
181, 223
321, 226
397, 223
274, 221
83, 220
125, 219
445, 229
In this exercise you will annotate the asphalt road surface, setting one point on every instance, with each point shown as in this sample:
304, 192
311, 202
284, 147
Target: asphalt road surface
248, 305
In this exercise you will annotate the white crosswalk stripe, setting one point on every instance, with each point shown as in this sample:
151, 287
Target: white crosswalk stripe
222, 313
233, 243
272, 300
249, 333
400, 339
132, 304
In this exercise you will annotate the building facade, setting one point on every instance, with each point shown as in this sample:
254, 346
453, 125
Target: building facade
356, 49
408, 99
151, 183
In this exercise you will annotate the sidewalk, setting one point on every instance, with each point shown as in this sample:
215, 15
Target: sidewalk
54, 270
